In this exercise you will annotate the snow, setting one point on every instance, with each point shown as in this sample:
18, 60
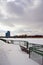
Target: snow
11, 54
30, 40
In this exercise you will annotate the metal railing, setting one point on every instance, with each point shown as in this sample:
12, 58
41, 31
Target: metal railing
36, 53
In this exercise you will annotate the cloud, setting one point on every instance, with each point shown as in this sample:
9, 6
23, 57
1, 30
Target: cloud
14, 8
27, 13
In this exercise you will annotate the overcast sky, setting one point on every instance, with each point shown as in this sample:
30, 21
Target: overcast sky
21, 16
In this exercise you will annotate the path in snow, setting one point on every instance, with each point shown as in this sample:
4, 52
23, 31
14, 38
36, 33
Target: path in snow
11, 54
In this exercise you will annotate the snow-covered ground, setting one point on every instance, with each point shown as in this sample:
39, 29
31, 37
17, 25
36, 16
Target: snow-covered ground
11, 54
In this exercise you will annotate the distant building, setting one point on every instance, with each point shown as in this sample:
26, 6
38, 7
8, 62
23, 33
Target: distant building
8, 34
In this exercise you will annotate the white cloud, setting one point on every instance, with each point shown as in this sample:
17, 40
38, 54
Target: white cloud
10, 0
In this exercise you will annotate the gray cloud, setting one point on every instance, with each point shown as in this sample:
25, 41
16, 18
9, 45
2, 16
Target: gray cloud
28, 13
15, 9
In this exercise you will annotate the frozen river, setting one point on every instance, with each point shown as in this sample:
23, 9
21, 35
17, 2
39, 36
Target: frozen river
30, 40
